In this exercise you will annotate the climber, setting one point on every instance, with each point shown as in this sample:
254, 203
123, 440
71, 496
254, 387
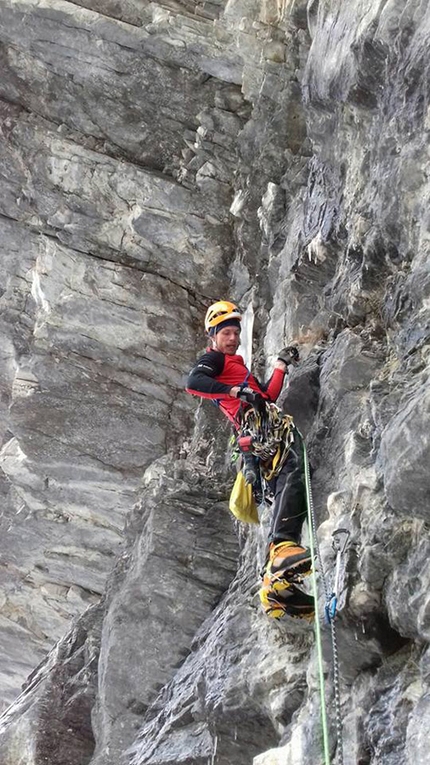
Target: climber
221, 375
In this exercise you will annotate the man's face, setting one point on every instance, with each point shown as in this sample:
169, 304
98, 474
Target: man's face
227, 340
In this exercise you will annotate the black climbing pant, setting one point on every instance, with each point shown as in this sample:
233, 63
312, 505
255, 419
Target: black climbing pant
289, 506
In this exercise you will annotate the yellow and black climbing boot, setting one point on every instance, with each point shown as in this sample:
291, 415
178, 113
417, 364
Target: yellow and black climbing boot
274, 596
290, 560
274, 592
289, 601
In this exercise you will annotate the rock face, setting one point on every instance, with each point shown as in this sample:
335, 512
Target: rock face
154, 158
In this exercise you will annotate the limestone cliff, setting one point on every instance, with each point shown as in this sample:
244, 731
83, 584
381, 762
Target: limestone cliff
155, 157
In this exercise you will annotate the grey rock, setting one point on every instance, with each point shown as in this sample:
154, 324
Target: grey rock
153, 158
82, 381
301, 398
227, 696
388, 717
346, 367
182, 561
50, 721
406, 590
79, 189
405, 450
417, 730
100, 68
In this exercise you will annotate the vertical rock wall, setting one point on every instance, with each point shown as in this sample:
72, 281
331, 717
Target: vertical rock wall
154, 157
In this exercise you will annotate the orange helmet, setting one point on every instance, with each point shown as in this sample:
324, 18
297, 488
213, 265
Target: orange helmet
219, 312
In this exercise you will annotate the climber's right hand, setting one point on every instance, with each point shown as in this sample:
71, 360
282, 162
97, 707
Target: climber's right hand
289, 355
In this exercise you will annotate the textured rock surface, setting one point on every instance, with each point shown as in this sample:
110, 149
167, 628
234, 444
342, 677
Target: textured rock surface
51, 720
154, 157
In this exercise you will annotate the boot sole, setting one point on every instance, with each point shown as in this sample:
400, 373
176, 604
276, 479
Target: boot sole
298, 570
279, 612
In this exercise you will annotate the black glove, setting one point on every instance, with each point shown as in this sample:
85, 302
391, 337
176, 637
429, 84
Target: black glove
251, 397
289, 355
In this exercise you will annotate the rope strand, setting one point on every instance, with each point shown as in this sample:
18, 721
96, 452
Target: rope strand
314, 546
336, 686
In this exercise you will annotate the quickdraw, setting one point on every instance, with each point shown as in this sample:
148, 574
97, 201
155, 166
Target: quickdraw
268, 434
339, 544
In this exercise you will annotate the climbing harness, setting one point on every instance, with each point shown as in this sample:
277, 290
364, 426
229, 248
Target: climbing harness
267, 434
259, 440
331, 599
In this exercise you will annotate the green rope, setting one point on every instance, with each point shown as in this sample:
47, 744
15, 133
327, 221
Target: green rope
312, 545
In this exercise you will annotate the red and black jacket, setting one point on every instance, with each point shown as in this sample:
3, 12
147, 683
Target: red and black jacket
215, 373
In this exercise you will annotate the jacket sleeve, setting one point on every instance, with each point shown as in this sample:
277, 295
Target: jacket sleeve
201, 380
274, 386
